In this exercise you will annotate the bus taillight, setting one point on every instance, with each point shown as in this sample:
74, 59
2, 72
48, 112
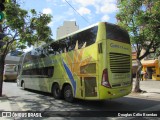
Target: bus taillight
105, 81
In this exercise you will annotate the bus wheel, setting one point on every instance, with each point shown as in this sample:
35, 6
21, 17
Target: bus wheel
23, 86
56, 91
68, 94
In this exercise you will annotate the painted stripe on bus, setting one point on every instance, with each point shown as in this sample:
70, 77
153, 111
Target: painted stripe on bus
69, 73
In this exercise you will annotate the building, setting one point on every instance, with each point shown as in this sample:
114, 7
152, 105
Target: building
67, 28
150, 65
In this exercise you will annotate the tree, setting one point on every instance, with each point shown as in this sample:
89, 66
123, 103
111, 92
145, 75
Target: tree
141, 18
21, 29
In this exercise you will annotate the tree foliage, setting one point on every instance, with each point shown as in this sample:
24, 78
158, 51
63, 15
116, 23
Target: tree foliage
21, 28
141, 18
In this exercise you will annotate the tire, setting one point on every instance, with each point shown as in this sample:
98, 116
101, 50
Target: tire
68, 94
23, 86
56, 92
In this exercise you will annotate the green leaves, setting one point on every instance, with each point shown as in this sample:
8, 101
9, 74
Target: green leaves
24, 28
15, 16
142, 20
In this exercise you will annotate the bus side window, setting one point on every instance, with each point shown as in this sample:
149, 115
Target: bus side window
50, 71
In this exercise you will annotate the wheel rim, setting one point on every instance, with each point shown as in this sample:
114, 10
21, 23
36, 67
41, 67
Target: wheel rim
68, 95
56, 92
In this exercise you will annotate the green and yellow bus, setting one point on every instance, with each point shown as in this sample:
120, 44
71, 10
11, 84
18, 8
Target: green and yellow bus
91, 64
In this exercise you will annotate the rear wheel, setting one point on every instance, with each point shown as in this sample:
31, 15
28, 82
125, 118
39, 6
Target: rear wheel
56, 91
68, 93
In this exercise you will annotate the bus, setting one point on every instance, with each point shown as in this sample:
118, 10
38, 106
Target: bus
91, 64
9, 72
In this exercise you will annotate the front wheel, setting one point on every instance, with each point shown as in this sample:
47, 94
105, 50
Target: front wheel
68, 93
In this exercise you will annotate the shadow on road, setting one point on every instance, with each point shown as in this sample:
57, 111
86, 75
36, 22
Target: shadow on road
45, 102
30, 100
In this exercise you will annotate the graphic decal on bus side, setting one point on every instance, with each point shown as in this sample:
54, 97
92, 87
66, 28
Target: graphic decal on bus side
69, 73
74, 63
77, 60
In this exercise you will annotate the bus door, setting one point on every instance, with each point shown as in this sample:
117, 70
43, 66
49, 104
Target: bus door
88, 87
88, 81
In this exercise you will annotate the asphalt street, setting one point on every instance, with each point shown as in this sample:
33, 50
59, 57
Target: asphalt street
16, 99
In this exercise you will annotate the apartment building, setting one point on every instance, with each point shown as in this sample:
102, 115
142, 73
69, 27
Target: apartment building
67, 28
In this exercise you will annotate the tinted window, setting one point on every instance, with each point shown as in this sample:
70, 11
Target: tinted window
116, 33
30, 56
35, 54
88, 36
83, 39
42, 72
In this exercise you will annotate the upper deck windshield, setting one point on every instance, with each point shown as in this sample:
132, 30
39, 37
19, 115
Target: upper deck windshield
116, 33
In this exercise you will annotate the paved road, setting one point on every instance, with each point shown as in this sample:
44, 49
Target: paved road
27, 100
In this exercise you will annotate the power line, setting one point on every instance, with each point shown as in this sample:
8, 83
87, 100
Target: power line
77, 11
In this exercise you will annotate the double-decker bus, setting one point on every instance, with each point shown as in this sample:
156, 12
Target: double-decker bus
91, 64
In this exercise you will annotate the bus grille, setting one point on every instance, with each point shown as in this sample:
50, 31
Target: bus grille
119, 63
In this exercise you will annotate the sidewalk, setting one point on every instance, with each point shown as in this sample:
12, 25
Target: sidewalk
151, 87
5, 104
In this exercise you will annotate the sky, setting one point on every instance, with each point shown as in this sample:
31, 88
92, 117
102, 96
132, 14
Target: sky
89, 11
